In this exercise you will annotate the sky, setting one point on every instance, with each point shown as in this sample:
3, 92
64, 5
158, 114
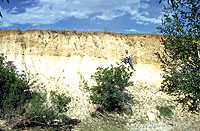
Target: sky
121, 16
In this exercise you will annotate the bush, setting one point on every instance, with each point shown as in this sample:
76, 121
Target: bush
43, 112
14, 91
111, 83
22, 107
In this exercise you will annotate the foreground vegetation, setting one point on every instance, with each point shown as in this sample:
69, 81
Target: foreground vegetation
23, 103
109, 92
181, 55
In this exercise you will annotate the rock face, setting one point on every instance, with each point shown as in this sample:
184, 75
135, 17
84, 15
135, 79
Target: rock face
59, 58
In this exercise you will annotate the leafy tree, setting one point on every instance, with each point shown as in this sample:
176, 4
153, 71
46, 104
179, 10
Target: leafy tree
169, 1
180, 58
108, 94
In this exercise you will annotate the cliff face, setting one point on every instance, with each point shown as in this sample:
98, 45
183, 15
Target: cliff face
59, 58
104, 45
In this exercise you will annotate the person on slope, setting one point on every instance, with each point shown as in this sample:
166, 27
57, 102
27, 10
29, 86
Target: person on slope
127, 58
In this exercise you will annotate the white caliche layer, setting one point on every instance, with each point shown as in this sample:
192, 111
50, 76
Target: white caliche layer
64, 75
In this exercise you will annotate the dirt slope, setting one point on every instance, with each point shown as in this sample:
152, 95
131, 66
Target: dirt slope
59, 58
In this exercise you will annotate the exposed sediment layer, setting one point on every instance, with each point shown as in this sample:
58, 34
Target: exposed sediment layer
59, 58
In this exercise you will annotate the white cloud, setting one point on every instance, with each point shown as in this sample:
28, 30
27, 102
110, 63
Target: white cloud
26, 2
141, 23
110, 15
152, 20
145, 5
140, 17
52, 11
145, 13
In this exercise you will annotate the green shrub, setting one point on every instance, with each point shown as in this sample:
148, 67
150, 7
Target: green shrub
32, 107
37, 113
14, 91
59, 102
43, 112
111, 83
165, 111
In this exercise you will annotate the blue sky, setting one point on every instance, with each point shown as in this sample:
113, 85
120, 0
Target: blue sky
122, 16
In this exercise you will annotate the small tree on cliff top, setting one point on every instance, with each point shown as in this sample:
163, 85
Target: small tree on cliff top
180, 58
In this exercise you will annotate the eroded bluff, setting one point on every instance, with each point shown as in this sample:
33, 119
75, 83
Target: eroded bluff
59, 58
